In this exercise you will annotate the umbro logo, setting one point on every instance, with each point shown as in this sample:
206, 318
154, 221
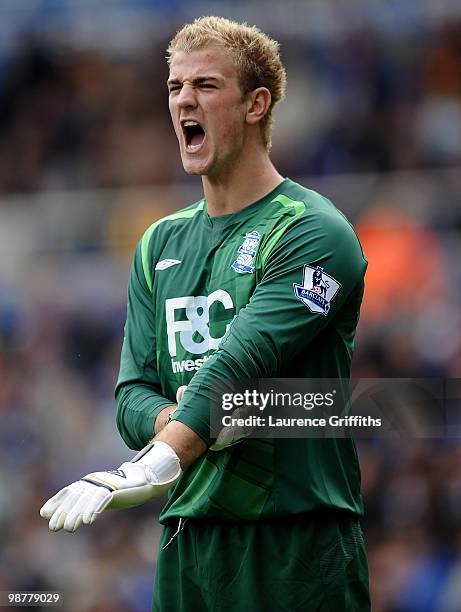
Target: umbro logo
118, 472
167, 263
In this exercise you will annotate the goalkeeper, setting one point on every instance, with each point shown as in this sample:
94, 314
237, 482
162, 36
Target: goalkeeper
260, 278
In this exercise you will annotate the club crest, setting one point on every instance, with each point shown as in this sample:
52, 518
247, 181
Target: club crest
318, 289
247, 253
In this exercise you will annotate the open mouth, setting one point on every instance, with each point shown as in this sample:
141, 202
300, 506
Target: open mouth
194, 135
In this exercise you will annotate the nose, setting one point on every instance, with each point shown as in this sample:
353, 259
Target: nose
187, 97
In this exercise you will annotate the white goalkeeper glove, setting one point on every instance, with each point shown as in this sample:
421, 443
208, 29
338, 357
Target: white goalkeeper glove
148, 475
232, 434
228, 436
180, 393
179, 396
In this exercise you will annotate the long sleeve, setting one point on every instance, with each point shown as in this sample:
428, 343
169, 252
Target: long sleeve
138, 391
283, 317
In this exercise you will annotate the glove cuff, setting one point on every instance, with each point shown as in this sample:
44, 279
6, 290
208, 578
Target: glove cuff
161, 461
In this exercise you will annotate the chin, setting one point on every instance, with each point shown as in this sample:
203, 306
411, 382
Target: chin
194, 171
194, 168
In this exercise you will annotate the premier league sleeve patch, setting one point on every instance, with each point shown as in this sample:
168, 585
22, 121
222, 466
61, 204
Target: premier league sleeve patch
318, 289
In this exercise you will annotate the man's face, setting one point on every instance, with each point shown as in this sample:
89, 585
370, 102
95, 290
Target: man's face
208, 110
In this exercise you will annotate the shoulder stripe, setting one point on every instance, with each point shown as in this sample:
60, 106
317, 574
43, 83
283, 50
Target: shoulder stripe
297, 207
182, 214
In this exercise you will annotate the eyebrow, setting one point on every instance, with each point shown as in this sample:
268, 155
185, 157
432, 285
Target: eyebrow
197, 81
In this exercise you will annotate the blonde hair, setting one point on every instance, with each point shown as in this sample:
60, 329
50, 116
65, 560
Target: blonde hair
256, 57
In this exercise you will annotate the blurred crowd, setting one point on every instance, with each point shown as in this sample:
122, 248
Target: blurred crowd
376, 123
73, 118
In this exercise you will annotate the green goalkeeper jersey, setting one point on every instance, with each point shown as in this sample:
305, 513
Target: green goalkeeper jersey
273, 290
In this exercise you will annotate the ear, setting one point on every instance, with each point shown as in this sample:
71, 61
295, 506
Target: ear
259, 101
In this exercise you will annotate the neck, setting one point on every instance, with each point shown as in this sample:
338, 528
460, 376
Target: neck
247, 181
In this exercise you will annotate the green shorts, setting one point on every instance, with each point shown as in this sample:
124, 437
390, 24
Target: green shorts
307, 563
